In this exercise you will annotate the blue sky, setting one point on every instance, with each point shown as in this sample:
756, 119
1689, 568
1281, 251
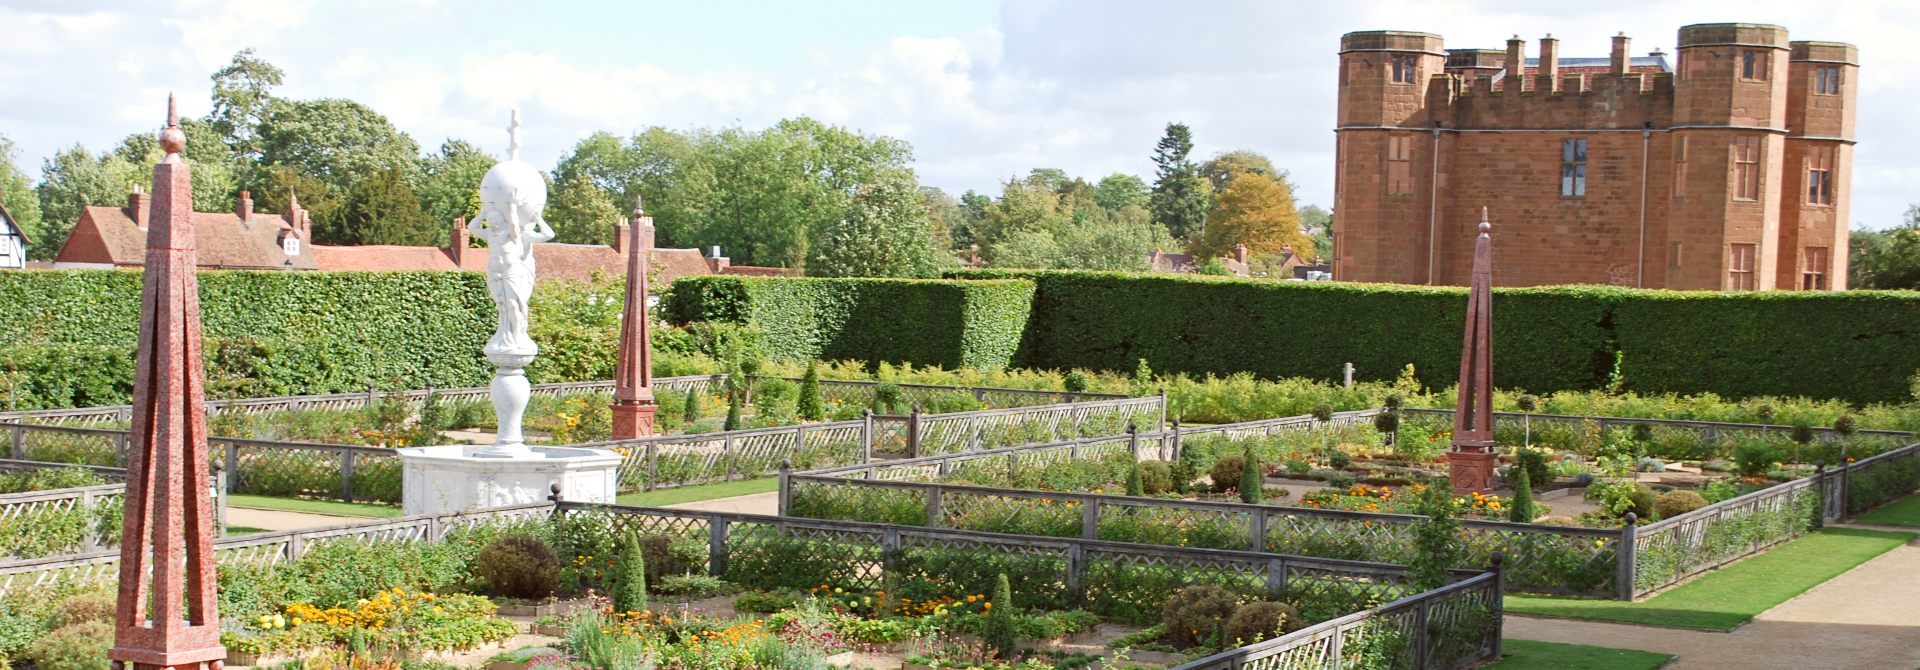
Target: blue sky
983, 90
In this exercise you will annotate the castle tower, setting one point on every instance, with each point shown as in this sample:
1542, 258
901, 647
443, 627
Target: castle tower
1821, 87
1383, 120
1728, 147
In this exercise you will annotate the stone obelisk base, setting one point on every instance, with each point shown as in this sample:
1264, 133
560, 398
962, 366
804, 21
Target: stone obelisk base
633, 420
1471, 471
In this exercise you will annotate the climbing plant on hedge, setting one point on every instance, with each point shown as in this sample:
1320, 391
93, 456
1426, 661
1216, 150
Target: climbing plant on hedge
950, 323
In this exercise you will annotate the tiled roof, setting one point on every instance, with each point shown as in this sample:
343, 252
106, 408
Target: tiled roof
107, 235
7, 218
559, 261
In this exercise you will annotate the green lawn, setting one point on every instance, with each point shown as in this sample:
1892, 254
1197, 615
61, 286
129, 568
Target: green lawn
244, 530
1904, 512
689, 494
1530, 655
1728, 597
332, 507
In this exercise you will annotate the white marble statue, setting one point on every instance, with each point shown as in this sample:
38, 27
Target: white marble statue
512, 197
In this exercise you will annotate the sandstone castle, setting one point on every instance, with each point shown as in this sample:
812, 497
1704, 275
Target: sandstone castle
1727, 169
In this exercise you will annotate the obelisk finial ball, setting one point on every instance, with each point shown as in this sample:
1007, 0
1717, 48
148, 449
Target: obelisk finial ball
172, 140
1484, 226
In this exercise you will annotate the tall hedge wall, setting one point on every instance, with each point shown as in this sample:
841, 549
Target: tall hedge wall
67, 337
1858, 345
933, 322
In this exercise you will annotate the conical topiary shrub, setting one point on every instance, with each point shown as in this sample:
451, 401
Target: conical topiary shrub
812, 408
630, 577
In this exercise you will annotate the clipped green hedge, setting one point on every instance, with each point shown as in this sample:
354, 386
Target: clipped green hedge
950, 323
1858, 345
67, 337
1543, 338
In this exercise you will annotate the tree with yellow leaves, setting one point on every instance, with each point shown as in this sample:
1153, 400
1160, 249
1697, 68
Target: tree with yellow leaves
1257, 211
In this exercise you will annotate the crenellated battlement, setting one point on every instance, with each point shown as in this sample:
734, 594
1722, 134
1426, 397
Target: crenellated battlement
1722, 167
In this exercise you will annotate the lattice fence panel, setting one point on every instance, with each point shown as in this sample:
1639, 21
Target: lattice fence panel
957, 567
36, 525
1675, 549
800, 557
1019, 515
1176, 526
286, 472
56, 446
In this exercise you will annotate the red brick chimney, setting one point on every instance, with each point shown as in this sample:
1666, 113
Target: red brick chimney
244, 207
1516, 78
1549, 64
1240, 253
1621, 61
457, 244
620, 232
139, 207
296, 218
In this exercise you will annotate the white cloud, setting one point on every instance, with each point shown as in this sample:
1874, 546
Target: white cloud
1082, 85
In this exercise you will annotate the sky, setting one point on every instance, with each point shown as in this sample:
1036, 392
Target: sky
983, 90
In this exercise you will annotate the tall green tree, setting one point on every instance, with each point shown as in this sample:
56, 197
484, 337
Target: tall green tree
1224, 166
1318, 223
17, 195
580, 213
1180, 196
341, 143
886, 233
70, 181
1117, 191
384, 210
449, 181
242, 96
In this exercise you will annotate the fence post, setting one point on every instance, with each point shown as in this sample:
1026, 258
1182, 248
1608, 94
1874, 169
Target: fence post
371, 398
1624, 574
1257, 529
1076, 566
233, 466
120, 447
913, 433
933, 507
980, 396
1176, 441
717, 545
1499, 599
1133, 441
1846, 491
1013, 467
1277, 579
91, 540
295, 548
19, 442
346, 475
1163, 409
1422, 638
220, 499
1820, 493
786, 487
1090, 518
866, 435
726, 454
889, 551
653, 466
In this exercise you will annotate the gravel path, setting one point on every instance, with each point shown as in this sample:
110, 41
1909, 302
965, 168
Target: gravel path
267, 519
1868, 617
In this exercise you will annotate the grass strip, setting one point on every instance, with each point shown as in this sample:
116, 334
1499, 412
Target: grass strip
1531, 655
1730, 596
302, 505
687, 494
1903, 512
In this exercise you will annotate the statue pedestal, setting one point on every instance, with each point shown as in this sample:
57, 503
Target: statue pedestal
1471, 471
510, 392
633, 420
448, 479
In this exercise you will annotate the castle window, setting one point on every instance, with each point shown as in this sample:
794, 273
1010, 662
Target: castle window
1740, 259
1404, 69
1753, 64
1820, 176
1673, 257
1813, 269
1826, 81
1679, 168
1746, 168
1399, 164
1573, 168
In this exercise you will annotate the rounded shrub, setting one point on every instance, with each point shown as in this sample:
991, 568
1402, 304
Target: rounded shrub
1644, 498
81, 646
1676, 503
1650, 464
1226, 473
1339, 460
1075, 382
1254, 622
517, 566
1195, 615
1156, 477
1583, 479
83, 607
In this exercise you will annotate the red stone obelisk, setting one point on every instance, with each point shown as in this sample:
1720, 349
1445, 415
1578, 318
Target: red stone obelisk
166, 616
633, 405
1472, 458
